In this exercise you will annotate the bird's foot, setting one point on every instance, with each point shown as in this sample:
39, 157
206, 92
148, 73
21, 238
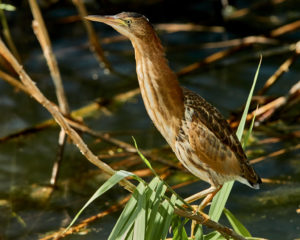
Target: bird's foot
197, 210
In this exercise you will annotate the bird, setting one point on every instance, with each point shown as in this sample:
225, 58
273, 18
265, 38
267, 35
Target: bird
198, 134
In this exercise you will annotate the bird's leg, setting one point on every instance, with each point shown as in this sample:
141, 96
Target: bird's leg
209, 195
208, 198
201, 194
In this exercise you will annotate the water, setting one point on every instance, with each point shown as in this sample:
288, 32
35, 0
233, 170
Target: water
26, 161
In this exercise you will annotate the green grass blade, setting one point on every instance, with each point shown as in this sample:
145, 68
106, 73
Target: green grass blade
129, 214
238, 227
178, 230
180, 200
143, 157
219, 201
159, 218
168, 217
129, 234
241, 127
221, 197
153, 220
213, 236
140, 221
112, 181
199, 232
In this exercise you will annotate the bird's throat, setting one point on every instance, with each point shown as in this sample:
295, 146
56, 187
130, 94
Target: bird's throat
160, 89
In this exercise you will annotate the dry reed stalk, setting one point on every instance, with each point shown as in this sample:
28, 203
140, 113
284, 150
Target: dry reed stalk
7, 35
245, 11
210, 59
79, 114
187, 27
284, 67
95, 45
275, 154
245, 42
285, 29
58, 116
41, 33
225, 231
12, 81
84, 223
238, 45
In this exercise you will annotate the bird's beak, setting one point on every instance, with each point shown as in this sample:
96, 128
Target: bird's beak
110, 20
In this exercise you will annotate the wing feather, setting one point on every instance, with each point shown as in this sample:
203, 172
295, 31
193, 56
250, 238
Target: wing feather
213, 140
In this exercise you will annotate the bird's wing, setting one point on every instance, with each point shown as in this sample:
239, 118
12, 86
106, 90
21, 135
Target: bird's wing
213, 140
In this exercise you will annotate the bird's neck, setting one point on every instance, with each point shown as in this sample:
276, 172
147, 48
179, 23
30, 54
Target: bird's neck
160, 89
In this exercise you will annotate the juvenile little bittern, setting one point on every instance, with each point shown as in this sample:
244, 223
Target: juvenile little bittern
198, 134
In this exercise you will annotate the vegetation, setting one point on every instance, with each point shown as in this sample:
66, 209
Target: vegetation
153, 210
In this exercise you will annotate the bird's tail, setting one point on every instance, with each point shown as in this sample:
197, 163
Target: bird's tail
250, 177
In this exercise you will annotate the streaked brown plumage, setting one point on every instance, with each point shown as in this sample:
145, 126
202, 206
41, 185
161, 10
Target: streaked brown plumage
198, 134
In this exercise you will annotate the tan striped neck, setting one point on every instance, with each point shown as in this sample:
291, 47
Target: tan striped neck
161, 92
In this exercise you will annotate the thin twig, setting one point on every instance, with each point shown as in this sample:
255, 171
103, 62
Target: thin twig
95, 45
7, 35
266, 111
187, 27
225, 231
80, 113
58, 159
242, 43
245, 11
247, 41
84, 223
59, 118
44, 40
125, 146
275, 154
285, 29
13, 81
279, 72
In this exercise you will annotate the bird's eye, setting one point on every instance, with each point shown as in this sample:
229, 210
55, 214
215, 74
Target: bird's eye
128, 22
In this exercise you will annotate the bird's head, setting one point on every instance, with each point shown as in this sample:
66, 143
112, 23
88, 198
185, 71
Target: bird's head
129, 24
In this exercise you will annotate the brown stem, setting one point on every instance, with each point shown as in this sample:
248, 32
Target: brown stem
59, 118
95, 45
43, 37
7, 35
240, 44
84, 223
12, 81
225, 231
59, 156
280, 71
275, 154
285, 29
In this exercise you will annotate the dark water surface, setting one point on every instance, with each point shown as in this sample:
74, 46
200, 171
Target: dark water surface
26, 161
